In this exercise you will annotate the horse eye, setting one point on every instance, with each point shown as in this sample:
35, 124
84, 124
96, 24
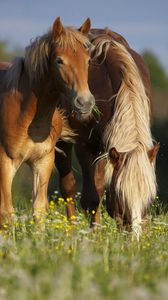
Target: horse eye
59, 61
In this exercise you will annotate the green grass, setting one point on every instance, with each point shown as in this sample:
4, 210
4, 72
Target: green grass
55, 260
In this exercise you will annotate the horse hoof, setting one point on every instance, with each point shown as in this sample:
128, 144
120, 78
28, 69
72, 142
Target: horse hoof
7, 219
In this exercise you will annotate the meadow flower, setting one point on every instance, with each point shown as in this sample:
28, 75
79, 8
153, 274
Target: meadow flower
31, 222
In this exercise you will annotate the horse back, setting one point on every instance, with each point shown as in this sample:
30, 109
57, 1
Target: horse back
4, 65
95, 32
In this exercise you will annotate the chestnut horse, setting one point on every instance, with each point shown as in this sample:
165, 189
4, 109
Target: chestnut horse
120, 135
31, 89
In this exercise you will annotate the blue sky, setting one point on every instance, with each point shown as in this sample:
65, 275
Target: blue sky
144, 23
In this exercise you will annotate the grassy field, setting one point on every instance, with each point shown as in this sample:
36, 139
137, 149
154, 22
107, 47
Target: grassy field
55, 260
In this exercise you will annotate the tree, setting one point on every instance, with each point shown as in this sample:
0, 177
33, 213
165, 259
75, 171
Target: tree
6, 54
158, 74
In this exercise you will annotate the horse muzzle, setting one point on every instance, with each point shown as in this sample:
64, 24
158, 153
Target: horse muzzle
83, 106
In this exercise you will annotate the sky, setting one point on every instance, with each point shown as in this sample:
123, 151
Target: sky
144, 23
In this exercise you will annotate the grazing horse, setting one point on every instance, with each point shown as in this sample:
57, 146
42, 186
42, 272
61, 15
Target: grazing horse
31, 89
119, 135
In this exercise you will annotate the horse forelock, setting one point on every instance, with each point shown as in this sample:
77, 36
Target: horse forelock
70, 39
37, 56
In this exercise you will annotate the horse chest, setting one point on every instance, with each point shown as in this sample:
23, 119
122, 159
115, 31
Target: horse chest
24, 148
29, 141
41, 147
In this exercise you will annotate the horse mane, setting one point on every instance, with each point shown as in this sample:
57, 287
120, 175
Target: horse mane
37, 55
129, 130
67, 134
13, 73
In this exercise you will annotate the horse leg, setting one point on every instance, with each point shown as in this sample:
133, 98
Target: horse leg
89, 198
7, 172
67, 180
42, 169
100, 188
113, 207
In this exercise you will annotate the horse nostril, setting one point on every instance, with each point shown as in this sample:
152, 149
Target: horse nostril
79, 101
85, 105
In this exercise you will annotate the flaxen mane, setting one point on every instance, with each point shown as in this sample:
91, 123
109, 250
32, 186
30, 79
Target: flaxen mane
129, 132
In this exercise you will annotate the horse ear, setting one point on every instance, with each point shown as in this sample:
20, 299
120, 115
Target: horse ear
114, 156
85, 28
57, 28
152, 153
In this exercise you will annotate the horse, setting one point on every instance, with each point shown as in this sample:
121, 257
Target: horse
114, 147
31, 89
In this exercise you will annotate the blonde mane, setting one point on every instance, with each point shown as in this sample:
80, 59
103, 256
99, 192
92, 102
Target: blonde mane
129, 132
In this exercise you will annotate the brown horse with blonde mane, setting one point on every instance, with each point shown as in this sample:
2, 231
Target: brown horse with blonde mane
31, 89
115, 148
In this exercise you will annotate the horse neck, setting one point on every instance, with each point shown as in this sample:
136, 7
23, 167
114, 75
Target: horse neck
39, 102
113, 69
104, 82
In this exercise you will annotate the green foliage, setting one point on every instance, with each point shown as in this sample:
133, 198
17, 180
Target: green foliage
6, 54
158, 75
56, 260
160, 132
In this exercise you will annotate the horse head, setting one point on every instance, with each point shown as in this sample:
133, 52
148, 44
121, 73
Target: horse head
117, 206
70, 61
